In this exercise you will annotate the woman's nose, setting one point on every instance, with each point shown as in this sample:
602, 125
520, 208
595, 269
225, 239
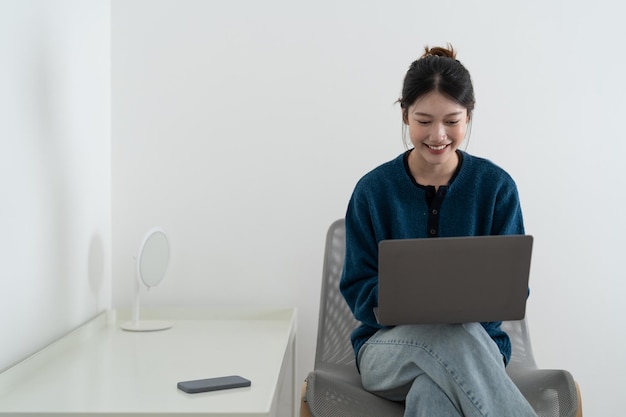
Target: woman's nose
440, 132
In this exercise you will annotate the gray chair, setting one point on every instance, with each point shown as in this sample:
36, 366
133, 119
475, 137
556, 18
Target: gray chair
333, 388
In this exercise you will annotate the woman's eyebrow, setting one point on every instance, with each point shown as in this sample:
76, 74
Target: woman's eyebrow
417, 113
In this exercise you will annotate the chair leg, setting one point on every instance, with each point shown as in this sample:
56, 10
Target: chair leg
579, 412
304, 407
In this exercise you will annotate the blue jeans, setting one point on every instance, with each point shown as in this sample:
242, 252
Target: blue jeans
440, 371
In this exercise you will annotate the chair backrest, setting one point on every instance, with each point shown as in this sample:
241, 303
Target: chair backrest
336, 321
522, 354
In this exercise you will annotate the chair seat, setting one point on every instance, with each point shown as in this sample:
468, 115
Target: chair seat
340, 393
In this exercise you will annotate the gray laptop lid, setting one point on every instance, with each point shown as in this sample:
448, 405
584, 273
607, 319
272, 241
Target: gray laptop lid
453, 280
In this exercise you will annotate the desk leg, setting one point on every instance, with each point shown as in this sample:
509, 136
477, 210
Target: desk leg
287, 402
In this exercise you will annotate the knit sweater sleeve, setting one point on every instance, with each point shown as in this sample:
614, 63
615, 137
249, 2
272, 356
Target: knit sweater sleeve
359, 283
381, 205
507, 219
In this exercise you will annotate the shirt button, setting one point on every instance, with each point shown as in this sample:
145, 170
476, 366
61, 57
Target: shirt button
433, 231
435, 211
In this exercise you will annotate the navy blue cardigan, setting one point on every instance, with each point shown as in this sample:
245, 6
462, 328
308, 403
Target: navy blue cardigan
387, 203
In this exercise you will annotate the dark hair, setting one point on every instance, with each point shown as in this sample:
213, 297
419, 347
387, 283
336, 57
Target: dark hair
437, 70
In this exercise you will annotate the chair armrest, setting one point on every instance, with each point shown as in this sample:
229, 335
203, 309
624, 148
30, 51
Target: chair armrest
548, 390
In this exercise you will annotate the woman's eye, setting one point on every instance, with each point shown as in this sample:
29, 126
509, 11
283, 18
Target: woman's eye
453, 122
423, 122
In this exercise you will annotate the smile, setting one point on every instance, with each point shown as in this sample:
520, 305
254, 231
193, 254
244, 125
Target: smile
438, 147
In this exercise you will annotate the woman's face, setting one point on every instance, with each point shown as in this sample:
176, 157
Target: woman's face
437, 127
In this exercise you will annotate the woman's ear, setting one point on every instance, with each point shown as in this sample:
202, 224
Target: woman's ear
405, 116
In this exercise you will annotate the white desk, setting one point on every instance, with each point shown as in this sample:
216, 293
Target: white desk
102, 370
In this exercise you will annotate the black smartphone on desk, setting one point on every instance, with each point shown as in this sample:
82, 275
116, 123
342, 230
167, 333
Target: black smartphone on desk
213, 384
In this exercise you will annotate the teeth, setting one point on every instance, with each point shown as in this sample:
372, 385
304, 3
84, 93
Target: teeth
437, 148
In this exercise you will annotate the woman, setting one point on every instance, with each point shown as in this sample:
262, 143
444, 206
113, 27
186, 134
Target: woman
432, 190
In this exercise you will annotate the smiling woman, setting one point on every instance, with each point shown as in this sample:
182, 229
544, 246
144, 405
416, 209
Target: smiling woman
432, 190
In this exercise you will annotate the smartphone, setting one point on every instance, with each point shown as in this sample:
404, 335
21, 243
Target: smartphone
213, 384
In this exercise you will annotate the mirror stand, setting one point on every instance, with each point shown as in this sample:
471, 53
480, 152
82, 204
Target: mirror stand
137, 325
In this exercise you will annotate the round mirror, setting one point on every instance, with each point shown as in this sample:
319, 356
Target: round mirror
152, 262
154, 256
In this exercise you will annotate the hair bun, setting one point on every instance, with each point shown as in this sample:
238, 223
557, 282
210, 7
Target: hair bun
447, 52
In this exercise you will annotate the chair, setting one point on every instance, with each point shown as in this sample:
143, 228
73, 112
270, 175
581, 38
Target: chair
333, 388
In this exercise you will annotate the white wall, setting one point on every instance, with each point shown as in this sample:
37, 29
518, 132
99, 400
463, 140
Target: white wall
55, 216
241, 128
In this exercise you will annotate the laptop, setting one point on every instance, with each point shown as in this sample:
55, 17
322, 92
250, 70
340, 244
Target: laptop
453, 279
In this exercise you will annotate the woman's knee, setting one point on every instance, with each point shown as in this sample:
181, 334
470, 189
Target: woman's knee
426, 398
